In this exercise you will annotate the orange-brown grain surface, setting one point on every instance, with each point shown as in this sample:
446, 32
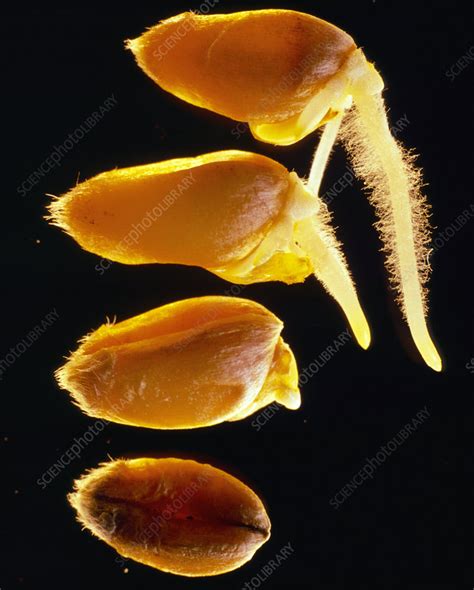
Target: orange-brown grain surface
202, 211
188, 364
255, 66
176, 515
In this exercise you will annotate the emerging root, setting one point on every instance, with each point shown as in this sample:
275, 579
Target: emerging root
319, 240
394, 183
368, 166
317, 237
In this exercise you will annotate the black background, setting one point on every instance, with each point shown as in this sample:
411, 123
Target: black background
411, 524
